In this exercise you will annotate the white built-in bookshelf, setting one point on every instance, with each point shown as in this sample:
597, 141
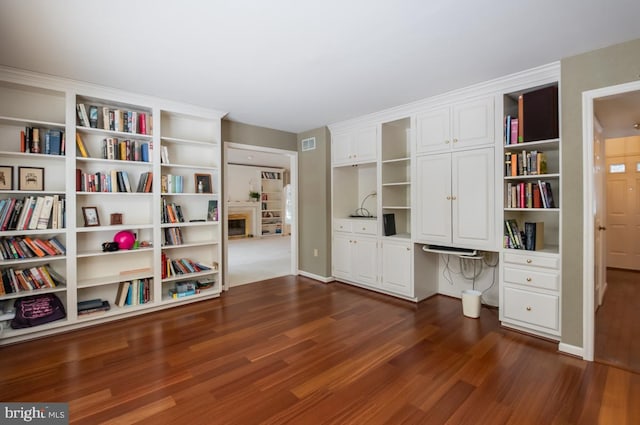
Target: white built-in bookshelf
104, 168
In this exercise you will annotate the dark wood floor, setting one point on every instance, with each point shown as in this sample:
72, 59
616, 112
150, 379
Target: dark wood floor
617, 337
292, 350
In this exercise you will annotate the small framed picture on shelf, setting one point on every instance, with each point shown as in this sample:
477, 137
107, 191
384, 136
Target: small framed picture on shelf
31, 178
115, 218
203, 183
91, 217
6, 177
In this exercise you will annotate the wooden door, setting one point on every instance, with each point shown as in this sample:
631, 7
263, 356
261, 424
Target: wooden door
623, 203
600, 236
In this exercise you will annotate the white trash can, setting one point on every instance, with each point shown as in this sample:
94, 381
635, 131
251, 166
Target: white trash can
471, 303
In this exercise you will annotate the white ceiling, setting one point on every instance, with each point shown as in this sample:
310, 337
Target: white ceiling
295, 65
618, 114
257, 158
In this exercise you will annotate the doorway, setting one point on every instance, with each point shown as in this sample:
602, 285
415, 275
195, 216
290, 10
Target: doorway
609, 299
260, 214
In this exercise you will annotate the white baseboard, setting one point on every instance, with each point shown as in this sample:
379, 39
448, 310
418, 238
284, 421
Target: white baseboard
316, 277
571, 349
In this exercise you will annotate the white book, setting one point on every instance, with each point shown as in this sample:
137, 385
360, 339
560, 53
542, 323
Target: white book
54, 213
45, 214
33, 223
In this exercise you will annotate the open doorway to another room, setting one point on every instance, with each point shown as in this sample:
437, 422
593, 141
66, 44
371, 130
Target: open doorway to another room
614, 297
260, 227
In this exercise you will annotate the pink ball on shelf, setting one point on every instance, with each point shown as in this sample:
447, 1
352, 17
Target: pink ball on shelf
125, 239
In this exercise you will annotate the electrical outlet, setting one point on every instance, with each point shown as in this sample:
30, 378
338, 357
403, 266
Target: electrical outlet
315, 252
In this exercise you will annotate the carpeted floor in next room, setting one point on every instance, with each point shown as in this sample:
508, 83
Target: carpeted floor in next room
255, 259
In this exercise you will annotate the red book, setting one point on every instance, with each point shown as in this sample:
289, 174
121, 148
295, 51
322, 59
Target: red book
142, 126
523, 202
514, 130
43, 246
537, 201
35, 248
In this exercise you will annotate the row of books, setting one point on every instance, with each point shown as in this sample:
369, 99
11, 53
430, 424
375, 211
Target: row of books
531, 238
171, 212
133, 292
180, 266
172, 183
112, 181
270, 175
42, 140
525, 163
529, 195
32, 212
21, 280
114, 119
126, 150
17, 247
173, 236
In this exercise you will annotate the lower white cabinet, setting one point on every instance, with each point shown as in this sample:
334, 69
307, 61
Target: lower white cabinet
355, 258
530, 293
362, 258
397, 267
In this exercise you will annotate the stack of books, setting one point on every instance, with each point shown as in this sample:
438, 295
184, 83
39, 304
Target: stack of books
96, 305
184, 289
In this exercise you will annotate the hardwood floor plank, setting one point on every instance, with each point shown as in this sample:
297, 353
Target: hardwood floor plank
292, 350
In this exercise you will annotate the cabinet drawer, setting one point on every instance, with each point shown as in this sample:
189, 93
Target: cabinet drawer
532, 308
532, 260
363, 226
342, 225
532, 277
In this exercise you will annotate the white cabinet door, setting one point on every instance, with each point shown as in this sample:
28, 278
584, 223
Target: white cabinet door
473, 123
355, 146
433, 221
397, 267
364, 144
365, 261
341, 148
342, 255
473, 198
433, 131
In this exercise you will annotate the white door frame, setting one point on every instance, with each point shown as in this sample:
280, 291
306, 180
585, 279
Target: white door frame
588, 250
293, 168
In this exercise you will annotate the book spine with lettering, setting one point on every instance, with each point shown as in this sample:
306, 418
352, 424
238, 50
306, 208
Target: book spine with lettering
514, 130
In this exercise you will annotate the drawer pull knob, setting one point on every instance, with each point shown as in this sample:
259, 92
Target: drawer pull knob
364, 228
529, 260
528, 308
446, 142
528, 279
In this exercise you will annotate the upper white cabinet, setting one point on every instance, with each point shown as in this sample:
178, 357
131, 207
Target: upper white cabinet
455, 194
355, 146
459, 125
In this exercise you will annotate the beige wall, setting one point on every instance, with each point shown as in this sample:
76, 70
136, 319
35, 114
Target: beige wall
601, 68
238, 132
314, 200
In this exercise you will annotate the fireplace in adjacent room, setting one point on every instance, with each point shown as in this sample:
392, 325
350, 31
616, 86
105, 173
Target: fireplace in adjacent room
238, 226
